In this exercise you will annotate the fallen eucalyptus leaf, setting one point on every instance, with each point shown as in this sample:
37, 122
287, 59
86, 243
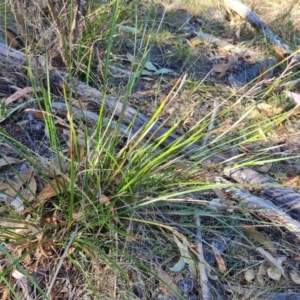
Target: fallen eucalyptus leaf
150, 66
295, 97
276, 262
163, 71
17, 204
185, 258
295, 277
128, 29
274, 273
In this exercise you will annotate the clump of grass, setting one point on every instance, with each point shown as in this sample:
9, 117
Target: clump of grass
109, 200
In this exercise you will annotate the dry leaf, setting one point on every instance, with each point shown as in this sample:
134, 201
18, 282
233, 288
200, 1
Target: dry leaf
27, 180
264, 168
18, 94
250, 275
219, 68
12, 39
266, 75
23, 283
219, 258
280, 55
263, 269
32, 185
103, 199
13, 227
5, 293
215, 204
185, 257
53, 188
25, 176
258, 237
276, 262
151, 70
128, 29
166, 278
130, 57
274, 273
140, 94
295, 97
8, 161
262, 272
17, 204
4, 186
10, 193
222, 69
48, 169
30, 190
226, 204
295, 277
291, 181
38, 114
220, 194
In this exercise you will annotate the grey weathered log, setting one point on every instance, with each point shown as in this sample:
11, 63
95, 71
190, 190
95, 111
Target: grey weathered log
12, 58
261, 293
247, 14
263, 208
283, 196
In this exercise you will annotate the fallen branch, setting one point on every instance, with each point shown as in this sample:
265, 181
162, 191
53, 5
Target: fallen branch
260, 293
13, 59
247, 14
284, 196
204, 282
263, 208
